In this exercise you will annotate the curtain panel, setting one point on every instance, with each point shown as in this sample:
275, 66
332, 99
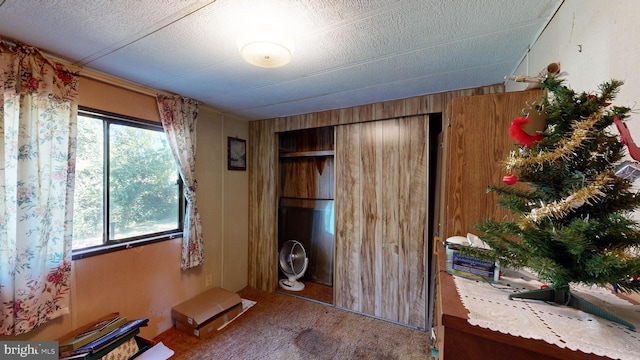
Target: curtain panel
179, 116
37, 164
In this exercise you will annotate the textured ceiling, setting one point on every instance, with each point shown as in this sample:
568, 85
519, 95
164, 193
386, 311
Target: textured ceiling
347, 52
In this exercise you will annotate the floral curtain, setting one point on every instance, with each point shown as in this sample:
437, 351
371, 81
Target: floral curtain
39, 114
179, 115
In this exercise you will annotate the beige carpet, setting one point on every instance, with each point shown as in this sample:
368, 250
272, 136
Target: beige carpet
284, 327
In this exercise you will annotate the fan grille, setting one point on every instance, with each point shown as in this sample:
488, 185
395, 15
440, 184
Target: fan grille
292, 257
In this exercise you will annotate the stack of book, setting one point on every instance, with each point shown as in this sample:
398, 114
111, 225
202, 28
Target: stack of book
93, 341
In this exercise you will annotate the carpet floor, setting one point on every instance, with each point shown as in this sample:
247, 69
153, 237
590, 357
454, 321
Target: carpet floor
280, 326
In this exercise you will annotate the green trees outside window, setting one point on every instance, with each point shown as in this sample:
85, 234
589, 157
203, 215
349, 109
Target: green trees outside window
131, 193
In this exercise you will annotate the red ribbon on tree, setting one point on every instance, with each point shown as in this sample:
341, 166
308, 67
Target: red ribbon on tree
520, 136
625, 136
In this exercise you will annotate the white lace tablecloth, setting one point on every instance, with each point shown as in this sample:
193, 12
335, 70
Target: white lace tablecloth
489, 307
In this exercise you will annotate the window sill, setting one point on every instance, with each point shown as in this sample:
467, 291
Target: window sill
104, 249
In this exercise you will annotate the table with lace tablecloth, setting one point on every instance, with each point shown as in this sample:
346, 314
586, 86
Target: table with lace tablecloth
489, 307
479, 321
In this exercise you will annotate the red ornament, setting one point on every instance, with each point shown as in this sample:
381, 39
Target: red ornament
544, 287
520, 136
510, 179
591, 96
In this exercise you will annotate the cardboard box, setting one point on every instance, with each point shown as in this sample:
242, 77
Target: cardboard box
206, 312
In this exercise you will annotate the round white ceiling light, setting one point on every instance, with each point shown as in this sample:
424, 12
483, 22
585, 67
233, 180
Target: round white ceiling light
265, 47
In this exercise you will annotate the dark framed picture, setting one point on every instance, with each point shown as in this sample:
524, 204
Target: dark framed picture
236, 154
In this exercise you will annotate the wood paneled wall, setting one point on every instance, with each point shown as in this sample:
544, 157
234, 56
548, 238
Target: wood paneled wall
381, 257
263, 160
306, 163
307, 177
263, 205
418, 105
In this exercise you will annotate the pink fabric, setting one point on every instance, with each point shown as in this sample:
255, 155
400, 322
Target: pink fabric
179, 116
37, 169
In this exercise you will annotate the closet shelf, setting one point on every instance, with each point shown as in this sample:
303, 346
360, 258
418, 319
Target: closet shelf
318, 153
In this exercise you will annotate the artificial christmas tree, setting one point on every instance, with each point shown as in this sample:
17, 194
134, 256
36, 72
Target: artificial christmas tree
574, 222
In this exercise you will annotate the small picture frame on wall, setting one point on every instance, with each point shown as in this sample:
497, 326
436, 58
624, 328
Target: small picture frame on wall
236, 154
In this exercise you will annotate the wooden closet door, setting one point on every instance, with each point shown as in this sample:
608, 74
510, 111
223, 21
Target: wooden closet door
381, 212
479, 142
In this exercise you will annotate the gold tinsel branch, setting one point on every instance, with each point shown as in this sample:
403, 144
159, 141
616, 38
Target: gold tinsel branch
587, 194
565, 147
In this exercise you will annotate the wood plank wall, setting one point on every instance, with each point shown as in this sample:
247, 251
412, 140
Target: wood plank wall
307, 176
263, 205
263, 160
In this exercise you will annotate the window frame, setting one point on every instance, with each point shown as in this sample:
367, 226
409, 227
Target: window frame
110, 245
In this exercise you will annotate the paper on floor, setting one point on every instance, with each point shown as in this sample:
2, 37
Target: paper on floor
246, 304
158, 352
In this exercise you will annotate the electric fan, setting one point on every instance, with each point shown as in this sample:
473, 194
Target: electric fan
293, 262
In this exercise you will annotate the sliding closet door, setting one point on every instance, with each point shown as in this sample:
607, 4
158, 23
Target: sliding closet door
381, 211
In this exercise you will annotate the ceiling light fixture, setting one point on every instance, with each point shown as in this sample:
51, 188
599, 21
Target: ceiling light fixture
265, 47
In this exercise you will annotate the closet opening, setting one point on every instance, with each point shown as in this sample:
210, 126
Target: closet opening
306, 210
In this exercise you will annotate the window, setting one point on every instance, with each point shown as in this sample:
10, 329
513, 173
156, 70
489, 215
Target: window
127, 187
